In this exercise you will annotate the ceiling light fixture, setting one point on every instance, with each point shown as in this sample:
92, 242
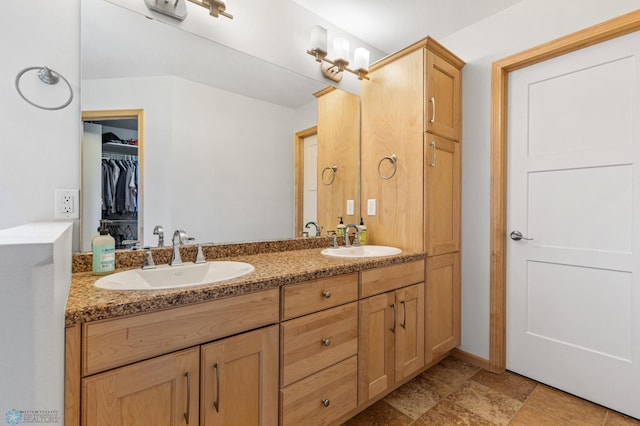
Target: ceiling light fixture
177, 9
333, 69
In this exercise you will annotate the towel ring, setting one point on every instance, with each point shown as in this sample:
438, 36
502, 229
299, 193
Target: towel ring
333, 170
47, 76
394, 161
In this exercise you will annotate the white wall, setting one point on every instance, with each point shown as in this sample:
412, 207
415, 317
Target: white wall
216, 164
527, 24
40, 149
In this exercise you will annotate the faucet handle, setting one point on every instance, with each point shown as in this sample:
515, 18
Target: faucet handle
200, 257
148, 260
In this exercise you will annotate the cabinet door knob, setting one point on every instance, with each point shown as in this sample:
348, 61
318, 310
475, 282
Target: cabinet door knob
326, 294
326, 402
326, 342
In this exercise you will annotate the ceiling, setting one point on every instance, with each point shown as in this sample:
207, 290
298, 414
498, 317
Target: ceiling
393, 25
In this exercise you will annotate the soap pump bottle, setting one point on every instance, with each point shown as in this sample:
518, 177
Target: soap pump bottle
340, 228
104, 252
362, 234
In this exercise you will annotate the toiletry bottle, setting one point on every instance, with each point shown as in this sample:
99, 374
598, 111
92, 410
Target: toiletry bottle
104, 252
362, 235
340, 228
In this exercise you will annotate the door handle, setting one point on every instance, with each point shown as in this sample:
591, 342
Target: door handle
517, 236
216, 402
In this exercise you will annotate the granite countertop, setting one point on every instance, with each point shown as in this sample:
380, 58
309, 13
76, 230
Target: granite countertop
272, 270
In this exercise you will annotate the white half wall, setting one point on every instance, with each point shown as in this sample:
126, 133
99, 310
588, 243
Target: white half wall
525, 25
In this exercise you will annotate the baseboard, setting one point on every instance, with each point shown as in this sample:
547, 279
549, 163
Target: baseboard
470, 358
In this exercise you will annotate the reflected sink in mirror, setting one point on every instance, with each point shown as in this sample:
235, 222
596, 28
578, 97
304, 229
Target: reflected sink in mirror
361, 251
168, 277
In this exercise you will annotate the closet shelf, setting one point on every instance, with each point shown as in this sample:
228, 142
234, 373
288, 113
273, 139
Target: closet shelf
119, 148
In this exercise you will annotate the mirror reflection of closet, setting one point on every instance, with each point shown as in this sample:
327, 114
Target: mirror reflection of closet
112, 148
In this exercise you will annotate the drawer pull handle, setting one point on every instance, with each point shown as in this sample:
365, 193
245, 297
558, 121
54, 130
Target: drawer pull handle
326, 402
326, 342
433, 112
187, 413
403, 324
216, 403
393, 306
326, 294
435, 151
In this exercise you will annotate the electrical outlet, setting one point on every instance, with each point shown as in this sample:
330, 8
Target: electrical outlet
371, 207
67, 204
350, 207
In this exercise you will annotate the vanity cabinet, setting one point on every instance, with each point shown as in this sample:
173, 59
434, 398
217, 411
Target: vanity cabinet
319, 347
197, 364
159, 391
411, 166
391, 345
443, 311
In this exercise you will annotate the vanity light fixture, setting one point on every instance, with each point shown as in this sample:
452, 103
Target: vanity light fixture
177, 9
333, 69
216, 7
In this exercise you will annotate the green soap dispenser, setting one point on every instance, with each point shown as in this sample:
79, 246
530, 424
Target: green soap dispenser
362, 234
340, 228
104, 252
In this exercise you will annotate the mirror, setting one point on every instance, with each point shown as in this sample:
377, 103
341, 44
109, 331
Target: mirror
219, 125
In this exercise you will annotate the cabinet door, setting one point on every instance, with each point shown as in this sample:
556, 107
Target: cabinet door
442, 195
409, 331
443, 304
160, 391
240, 379
443, 101
376, 346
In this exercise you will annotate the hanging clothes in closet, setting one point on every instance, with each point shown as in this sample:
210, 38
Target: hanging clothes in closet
119, 186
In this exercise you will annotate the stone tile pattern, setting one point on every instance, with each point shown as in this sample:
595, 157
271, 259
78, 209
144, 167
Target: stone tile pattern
454, 392
276, 264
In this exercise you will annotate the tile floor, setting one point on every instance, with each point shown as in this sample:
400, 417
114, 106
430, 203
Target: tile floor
454, 392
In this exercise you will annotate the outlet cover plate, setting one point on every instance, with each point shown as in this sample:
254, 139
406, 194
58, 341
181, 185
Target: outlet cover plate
67, 204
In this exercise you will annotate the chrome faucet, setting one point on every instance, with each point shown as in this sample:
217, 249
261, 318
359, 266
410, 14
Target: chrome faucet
159, 231
179, 238
346, 235
318, 227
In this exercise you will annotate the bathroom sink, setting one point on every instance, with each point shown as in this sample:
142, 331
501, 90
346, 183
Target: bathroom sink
167, 277
361, 251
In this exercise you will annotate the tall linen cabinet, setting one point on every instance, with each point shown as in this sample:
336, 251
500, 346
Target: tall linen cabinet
411, 167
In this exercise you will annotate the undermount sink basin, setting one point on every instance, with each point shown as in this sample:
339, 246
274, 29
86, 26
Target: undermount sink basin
167, 277
361, 251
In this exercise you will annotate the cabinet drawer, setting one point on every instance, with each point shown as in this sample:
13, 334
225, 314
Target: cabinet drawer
305, 298
109, 344
322, 398
380, 280
313, 342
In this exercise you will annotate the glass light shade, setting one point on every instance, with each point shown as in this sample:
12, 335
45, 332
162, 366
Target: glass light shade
361, 59
318, 38
341, 49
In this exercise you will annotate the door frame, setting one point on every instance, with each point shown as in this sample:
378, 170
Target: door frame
298, 167
115, 114
598, 33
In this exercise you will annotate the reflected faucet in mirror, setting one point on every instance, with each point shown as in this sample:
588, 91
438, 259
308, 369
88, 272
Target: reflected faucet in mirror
318, 227
159, 231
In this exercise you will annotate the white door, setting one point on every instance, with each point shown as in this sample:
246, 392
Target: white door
573, 290
310, 180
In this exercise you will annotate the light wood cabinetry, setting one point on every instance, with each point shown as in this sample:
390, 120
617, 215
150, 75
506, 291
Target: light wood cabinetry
443, 311
319, 350
412, 108
159, 391
338, 145
391, 345
132, 376
240, 380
